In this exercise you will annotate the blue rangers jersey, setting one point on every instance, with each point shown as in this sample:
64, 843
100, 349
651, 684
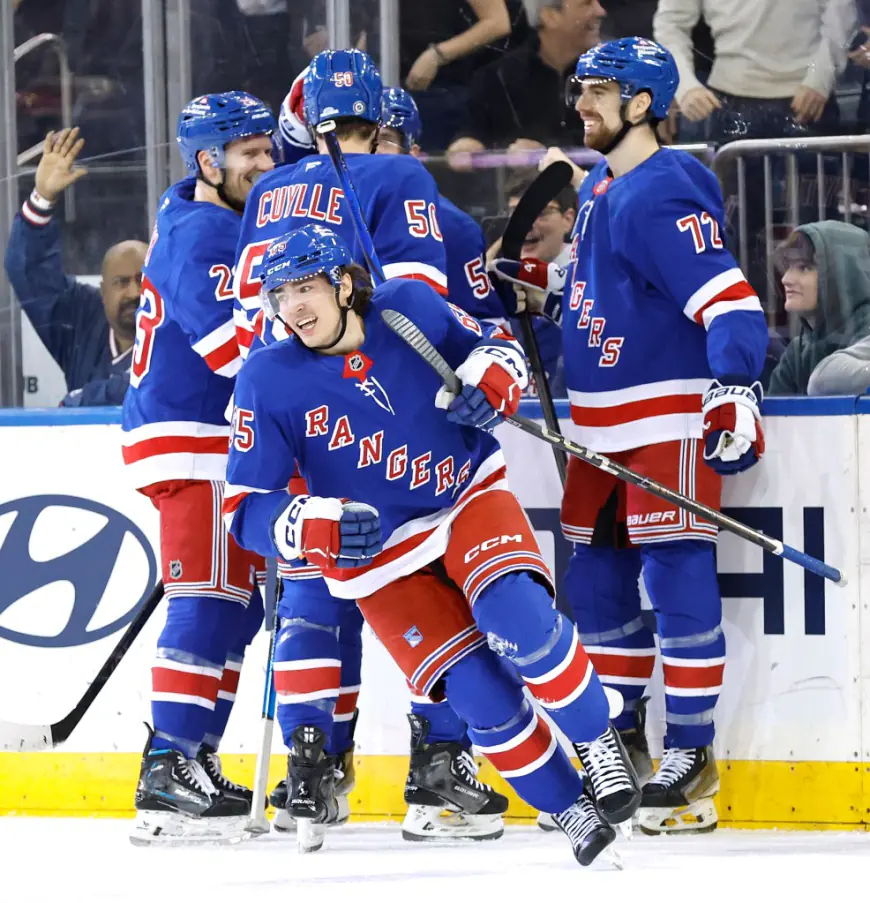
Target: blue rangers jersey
399, 201
654, 305
186, 354
366, 428
468, 284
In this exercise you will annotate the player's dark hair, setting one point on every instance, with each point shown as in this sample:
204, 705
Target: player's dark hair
796, 250
520, 179
354, 127
362, 287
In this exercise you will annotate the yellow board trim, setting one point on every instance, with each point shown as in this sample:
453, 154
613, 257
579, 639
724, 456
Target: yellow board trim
797, 795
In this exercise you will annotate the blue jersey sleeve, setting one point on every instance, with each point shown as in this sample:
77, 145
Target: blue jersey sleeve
201, 300
405, 225
677, 244
262, 458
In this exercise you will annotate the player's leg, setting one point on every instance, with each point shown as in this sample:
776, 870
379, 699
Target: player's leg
448, 648
679, 566
494, 558
206, 608
342, 744
208, 751
601, 585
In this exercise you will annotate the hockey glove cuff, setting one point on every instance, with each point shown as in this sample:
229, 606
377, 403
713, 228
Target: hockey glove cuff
328, 532
733, 436
537, 283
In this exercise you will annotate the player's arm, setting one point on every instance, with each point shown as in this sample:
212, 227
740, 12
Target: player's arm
682, 251
202, 299
405, 226
261, 509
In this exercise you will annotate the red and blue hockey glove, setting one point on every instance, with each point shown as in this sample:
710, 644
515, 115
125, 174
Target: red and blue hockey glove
493, 377
328, 532
733, 437
535, 284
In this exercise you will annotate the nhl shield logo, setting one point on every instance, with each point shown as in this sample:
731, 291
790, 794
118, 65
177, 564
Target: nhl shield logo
175, 570
355, 363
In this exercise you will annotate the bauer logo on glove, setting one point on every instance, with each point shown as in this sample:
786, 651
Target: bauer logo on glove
733, 437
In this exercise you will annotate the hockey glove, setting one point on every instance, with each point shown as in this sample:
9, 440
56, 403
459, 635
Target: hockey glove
493, 376
733, 437
537, 285
328, 532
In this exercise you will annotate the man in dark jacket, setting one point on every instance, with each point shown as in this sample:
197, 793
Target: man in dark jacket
88, 331
826, 277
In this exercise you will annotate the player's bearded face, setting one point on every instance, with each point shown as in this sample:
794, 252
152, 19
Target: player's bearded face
308, 308
246, 160
600, 108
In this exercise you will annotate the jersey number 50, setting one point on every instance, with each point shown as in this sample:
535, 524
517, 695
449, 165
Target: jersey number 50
150, 315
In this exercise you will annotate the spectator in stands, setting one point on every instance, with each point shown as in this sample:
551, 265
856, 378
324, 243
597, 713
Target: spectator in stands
826, 276
438, 49
518, 102
89, 331
774, 67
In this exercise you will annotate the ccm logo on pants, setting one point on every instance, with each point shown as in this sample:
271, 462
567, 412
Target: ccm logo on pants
488, 544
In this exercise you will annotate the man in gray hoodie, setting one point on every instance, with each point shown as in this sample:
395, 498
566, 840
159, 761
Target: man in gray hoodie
826, 276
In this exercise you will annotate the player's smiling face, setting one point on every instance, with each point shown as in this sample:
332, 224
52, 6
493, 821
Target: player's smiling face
308, 308
246, 160
600, 108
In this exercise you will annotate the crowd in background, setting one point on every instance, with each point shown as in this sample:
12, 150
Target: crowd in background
491, 74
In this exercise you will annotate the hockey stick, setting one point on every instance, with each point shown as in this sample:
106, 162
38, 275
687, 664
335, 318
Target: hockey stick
32, 737
532, 204
258, 823
410, 333
327, 131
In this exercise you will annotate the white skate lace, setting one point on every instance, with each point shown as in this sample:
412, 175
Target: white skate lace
196, 776
579, 820
604, 765
467, 769
217, 776
676, 764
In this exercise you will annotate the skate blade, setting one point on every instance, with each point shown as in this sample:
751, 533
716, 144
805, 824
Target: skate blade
429, 824
283, 822
545, 822
309, 836
699, 817
175, 829
626, 828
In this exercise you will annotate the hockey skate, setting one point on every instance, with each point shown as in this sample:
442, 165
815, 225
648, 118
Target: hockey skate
211, 764
311, 788
679, 797
589, 834
445, 799
176, 802
610, 776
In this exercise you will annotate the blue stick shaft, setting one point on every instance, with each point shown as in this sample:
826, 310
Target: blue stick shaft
813, 565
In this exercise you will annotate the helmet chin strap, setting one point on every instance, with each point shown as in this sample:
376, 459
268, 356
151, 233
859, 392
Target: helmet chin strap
221, 193
626, 128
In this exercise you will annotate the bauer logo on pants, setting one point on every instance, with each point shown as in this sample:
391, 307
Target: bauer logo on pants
90, 556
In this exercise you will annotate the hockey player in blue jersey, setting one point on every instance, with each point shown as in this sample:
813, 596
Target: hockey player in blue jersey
408, 512
664, 342
468, 284
399, 197
175, 448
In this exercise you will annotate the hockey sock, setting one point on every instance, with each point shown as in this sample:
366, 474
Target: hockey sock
350, 652
186, 676
517, 615
229, 684
681, 579
307, 675
507, 730
601, 585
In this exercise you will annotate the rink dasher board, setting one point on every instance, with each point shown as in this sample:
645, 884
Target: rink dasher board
793, 709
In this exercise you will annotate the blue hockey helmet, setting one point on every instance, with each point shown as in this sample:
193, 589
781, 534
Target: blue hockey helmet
341, 84
400, 113
212, 121
300, 254
636, 64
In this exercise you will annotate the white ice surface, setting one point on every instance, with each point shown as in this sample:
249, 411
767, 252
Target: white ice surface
91, 861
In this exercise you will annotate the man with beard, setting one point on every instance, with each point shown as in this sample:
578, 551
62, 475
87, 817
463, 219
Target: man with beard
664, 342
175, 447
89, 331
